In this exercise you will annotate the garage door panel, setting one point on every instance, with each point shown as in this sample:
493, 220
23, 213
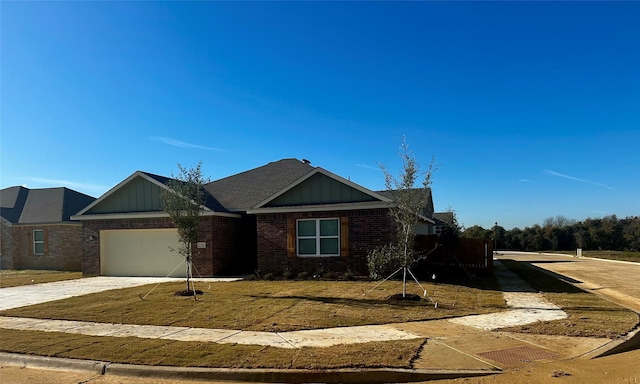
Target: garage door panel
140, 252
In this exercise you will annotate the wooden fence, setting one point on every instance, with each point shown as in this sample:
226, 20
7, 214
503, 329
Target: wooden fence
444, 252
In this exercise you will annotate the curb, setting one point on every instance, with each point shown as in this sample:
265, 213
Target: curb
58, 363
378, 375
629, 343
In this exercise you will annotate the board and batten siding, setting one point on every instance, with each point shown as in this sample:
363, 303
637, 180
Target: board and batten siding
320, 189
139, 195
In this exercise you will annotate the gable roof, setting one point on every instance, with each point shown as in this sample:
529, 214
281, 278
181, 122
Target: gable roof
390, 194
285, 185
443, 218
20, 205
247, 189
210, 202
140, 194
319, 190
426, 212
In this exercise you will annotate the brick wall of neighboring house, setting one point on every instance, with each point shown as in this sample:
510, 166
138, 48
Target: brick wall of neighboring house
62, 247
6, 245
367, 229
219, 233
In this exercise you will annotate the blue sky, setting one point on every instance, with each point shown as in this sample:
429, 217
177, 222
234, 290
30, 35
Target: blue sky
531, 109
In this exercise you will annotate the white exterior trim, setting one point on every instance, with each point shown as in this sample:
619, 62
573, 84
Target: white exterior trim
306, 208
145, 215
118, 186
425, 218
81, 215
328, 174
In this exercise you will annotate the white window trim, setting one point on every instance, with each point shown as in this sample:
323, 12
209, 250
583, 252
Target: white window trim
317, 237
35, 252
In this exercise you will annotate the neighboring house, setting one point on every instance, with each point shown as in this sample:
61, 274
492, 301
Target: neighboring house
37, 232
426, 225
443, 221
284, 216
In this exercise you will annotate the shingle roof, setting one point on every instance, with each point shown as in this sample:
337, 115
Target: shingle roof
445, 218
389, 194
161, 179
209, 201
47, 205
247, 189
427, 210
12, 201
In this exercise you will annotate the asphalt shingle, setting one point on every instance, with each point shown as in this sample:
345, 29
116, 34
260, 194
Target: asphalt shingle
47, 205
12, 201
245, 190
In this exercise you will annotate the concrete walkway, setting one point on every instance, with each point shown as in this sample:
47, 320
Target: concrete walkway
528, 307
295, 339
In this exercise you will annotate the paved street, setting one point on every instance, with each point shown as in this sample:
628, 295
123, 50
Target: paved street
617, 281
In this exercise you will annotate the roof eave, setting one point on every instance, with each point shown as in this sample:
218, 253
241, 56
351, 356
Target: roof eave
329, 174
424, 218
319, 208
146, 215
118, 186
45, 223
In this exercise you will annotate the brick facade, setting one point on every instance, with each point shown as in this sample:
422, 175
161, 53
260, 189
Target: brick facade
62, 247
222, 255
367, 229
6, 245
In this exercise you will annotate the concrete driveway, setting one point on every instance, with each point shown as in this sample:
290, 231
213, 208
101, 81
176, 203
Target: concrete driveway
618, 281
21, 296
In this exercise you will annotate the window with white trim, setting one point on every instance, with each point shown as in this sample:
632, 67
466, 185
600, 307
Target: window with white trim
318, 237
38, 241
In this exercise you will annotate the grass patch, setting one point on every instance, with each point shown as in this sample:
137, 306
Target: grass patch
611, 255
132, 350
614, 255
12, 278
589, 314
274, 306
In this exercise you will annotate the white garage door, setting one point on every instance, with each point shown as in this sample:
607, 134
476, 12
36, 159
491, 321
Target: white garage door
140, 252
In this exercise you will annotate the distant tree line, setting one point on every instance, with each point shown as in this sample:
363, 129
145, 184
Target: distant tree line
561, 234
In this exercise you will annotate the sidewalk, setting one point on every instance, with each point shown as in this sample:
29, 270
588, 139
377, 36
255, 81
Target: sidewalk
528, 306
294, 339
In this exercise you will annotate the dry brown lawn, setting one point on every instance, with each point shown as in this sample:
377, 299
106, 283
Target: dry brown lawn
132, 350
11, 278
275, 306
633, 256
